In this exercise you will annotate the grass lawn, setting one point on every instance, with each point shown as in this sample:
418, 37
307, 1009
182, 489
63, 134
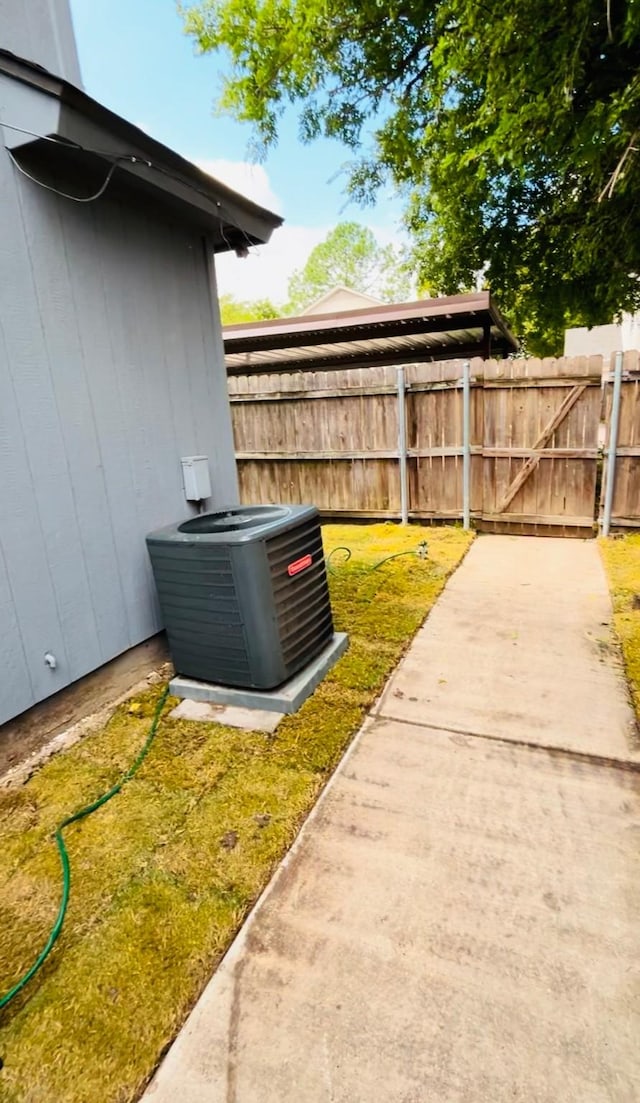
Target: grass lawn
621, 557
164, 874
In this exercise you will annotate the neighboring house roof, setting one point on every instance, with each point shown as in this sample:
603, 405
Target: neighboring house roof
401, 333
51, 127
341, 298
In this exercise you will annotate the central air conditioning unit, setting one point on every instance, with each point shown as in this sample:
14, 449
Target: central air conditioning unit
243, 593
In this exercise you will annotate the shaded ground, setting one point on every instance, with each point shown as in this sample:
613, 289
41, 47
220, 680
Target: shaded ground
163, 875
458, 920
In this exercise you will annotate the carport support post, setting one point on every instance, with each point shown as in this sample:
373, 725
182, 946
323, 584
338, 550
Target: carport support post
402, 448
466, 445
613, 444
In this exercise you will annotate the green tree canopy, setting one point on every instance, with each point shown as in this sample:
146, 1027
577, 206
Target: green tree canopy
513, 130
350, 256
233, 311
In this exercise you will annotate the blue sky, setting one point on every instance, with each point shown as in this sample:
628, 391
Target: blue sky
136, 60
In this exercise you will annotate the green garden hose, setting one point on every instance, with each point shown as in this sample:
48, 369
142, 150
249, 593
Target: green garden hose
64, 857
420, 551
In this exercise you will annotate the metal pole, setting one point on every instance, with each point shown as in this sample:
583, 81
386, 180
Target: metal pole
466, 445
402, 448
613, 444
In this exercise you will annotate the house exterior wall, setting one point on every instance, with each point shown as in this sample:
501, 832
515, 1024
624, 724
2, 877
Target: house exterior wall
41, 31
598, 341
111, 369
604, 340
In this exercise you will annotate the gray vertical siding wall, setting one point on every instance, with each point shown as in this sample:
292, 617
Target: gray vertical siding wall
111, 369
41, 31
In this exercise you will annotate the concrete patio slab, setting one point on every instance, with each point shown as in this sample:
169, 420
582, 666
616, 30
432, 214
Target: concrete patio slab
457, 922
520, 647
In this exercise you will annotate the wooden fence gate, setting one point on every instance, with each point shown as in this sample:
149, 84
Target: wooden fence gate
532, 448
540, 445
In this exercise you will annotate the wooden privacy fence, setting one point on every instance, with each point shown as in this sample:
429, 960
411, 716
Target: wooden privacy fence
620, 497
511, 444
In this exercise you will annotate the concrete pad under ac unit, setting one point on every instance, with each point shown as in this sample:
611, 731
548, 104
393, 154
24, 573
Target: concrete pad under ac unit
230, 715
286, 698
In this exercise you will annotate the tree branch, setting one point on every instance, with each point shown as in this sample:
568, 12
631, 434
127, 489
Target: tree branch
609, 188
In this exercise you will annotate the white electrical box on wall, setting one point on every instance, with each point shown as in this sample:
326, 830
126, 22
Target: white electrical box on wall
195, 475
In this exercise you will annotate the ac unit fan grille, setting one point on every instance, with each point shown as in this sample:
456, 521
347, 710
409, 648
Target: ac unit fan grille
200, 608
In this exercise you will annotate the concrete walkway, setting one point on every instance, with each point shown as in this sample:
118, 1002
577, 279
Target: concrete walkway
459, 918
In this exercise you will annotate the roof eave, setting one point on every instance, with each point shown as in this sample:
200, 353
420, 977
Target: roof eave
499, 321
70, 115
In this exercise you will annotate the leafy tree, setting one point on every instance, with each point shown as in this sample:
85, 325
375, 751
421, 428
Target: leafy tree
350, 256
233, 311
513, 129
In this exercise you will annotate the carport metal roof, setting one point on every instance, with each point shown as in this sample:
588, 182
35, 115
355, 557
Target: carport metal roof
430, 329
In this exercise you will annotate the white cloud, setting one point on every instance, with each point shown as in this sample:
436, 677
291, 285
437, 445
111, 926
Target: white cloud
250, 180
265, 273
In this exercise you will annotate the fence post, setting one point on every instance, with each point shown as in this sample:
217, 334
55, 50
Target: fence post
402, 448
612, 450
466, 445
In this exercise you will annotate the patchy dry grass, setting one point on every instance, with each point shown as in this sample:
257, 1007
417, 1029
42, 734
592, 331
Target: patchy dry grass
621, 556
163, 875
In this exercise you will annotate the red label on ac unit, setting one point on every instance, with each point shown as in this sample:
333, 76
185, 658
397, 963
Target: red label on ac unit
299, 565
